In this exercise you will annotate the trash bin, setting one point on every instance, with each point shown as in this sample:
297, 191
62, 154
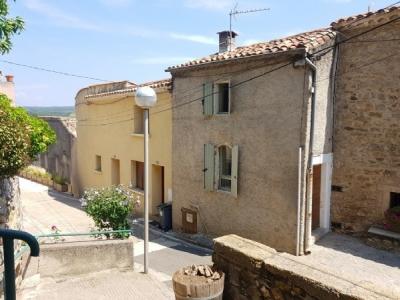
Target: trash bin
165, 211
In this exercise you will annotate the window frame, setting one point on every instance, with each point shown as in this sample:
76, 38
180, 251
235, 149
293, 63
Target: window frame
218, 172
98, 163
216, 98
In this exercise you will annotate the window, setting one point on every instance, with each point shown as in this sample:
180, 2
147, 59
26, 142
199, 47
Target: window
222, 98
225, 168
221, 168
98, 163
137, 174
394, 199
216, 98
138, 120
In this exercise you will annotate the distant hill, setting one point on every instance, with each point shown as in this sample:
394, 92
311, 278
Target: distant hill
56, 111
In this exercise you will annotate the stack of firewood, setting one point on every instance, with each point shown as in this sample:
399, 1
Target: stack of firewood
202, 270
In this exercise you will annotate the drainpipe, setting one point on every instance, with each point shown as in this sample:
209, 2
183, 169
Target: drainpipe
308, 213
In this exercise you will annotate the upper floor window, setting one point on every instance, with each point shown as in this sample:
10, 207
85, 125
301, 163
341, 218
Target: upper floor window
98, 163
216, 98
138, 120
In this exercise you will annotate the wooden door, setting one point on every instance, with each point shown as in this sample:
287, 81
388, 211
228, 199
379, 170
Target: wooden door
316, 196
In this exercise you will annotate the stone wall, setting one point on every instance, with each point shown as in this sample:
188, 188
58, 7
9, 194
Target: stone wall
367, 128
255, 271
58, 158
10, 217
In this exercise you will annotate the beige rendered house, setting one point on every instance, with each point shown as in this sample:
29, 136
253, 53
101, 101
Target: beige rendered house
110, 140
250, 127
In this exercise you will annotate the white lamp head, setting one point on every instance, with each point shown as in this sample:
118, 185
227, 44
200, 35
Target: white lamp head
145, 97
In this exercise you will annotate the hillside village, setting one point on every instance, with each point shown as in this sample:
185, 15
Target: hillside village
279, 158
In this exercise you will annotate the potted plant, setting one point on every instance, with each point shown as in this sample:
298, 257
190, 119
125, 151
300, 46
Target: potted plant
392, 219
59, 183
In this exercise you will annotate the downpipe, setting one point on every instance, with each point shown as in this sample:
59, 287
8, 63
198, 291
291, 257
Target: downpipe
308, 214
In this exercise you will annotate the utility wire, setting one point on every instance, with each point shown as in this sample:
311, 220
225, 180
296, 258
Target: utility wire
52, 71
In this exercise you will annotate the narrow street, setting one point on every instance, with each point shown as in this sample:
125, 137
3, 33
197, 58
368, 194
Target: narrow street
43, 208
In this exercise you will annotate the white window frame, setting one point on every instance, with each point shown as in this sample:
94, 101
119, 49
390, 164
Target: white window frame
218, 175
216, 97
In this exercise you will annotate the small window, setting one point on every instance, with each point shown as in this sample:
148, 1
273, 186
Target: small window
394, 199
222, 98
138, 120
98, 163
137, 174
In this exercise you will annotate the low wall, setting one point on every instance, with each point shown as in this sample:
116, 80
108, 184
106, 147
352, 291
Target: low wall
85, 257
255, 271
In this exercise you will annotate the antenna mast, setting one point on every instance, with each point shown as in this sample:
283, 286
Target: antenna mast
235, 12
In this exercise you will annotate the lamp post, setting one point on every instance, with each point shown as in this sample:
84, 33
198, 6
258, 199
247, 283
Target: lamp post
146, 98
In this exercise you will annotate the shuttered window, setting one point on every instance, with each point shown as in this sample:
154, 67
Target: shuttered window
208, 96
222, 165
208, 170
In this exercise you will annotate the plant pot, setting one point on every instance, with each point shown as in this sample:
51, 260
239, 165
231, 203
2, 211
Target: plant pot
185, 287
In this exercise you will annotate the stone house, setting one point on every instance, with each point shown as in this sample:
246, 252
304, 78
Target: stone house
249, 128
60, 158
366, 177
110, 130
7, 87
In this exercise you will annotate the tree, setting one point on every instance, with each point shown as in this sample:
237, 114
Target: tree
8, 27
22, 138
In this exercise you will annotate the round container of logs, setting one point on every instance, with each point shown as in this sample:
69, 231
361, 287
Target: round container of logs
200, 282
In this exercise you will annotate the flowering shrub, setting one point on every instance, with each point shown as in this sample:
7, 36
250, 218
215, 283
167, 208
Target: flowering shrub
392, 219
109, 207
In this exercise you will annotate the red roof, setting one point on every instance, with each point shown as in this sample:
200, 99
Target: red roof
354, 19
307, 40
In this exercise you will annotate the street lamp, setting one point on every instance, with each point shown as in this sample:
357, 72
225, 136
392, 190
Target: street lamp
146, 98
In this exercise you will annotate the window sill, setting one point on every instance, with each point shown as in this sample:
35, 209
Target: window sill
224, 192
98, 172
139, 135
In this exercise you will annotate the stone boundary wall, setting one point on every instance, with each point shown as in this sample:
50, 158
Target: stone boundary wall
255, 271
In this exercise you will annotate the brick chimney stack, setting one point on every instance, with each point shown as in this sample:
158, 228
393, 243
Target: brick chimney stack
226, 42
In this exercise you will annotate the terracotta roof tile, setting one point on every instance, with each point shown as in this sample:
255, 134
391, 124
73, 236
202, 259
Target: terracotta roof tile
349, 20
164, 83
306, 40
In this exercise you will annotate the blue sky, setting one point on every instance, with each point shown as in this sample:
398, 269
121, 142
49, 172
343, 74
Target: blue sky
136, 40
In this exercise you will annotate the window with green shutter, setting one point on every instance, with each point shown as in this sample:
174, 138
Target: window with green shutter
209, 163
208, 99
226, 164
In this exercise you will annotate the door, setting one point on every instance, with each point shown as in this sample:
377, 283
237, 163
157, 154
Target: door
316, 196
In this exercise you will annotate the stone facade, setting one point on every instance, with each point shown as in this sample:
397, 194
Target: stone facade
367, 127
257, 272
269, 121
10, 204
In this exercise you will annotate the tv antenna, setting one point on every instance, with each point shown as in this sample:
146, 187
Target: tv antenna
234, 12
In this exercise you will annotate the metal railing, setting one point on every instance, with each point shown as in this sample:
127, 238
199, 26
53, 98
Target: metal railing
8, 236
32, 241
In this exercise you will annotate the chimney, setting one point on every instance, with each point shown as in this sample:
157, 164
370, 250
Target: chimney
10, 78
226, 43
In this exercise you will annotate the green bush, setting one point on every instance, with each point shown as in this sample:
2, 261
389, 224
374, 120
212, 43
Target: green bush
22, 138
109, 207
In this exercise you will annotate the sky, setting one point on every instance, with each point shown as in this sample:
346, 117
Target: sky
137, 40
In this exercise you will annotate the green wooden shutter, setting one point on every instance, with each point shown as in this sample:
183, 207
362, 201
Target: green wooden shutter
235, 164
209, 167
208, 97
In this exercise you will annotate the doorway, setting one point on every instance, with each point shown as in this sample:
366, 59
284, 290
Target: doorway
321, 195
158, 196
316, 197
115, 172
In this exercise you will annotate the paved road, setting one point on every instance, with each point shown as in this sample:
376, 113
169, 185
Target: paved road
43, 208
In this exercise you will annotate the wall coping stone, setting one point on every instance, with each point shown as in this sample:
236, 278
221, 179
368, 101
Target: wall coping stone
255, 257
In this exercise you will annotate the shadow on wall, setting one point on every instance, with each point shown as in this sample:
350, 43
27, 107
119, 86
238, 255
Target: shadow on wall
355, 247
